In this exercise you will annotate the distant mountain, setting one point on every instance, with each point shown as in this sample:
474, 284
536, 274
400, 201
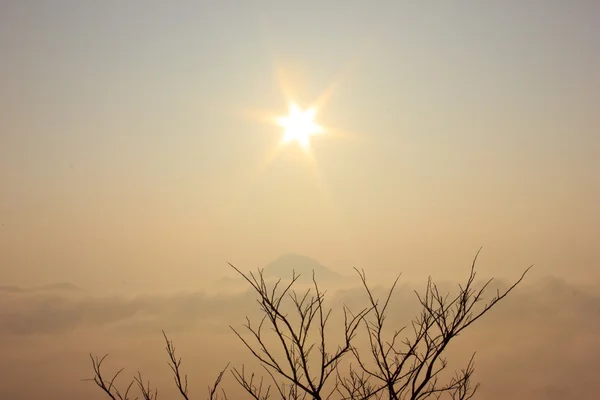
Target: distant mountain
283, 268
63, 287
287, 264
10, 289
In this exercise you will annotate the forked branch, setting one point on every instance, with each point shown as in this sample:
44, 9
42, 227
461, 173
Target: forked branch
410, 368
302, 373
109, 387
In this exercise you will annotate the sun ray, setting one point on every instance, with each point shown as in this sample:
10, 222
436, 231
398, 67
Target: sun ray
323, 99
285, 87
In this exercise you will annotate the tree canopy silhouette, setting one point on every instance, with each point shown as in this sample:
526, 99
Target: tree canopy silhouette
301, 362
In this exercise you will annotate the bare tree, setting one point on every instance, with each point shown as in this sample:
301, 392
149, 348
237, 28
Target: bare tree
410, 368
302, 373
300, 361
181, 381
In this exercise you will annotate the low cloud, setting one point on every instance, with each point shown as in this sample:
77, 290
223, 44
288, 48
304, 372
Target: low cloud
539, 343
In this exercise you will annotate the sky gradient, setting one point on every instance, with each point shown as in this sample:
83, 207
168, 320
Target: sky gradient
129, 151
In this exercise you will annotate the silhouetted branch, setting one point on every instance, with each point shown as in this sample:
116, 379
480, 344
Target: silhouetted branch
108, 386
175, 364
147, 393
256, 390
212, 390
356, 386
182, 383
295, 366
410, 369
301, 363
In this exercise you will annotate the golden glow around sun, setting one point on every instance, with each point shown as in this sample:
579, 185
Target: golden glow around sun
299, 125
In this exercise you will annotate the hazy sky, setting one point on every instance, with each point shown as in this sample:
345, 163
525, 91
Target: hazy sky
129, 150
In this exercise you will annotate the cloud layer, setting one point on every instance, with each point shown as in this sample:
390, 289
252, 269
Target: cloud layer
540, 343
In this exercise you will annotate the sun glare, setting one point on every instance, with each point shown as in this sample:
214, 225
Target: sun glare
299, 125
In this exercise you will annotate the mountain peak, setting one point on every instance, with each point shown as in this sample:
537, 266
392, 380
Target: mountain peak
302, 265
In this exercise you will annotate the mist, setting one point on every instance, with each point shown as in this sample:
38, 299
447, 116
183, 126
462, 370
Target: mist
535, 344
142, 155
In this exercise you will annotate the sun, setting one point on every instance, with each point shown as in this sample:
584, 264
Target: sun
299, 125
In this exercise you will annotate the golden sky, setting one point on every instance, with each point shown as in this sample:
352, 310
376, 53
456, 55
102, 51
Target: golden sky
144, 144
130, 148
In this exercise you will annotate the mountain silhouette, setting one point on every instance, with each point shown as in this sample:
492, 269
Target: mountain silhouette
283, 268
287, 264
54, 287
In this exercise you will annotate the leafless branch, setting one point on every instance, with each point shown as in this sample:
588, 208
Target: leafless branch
298, 368
405, 362
147, 392
108, 387
410, 369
